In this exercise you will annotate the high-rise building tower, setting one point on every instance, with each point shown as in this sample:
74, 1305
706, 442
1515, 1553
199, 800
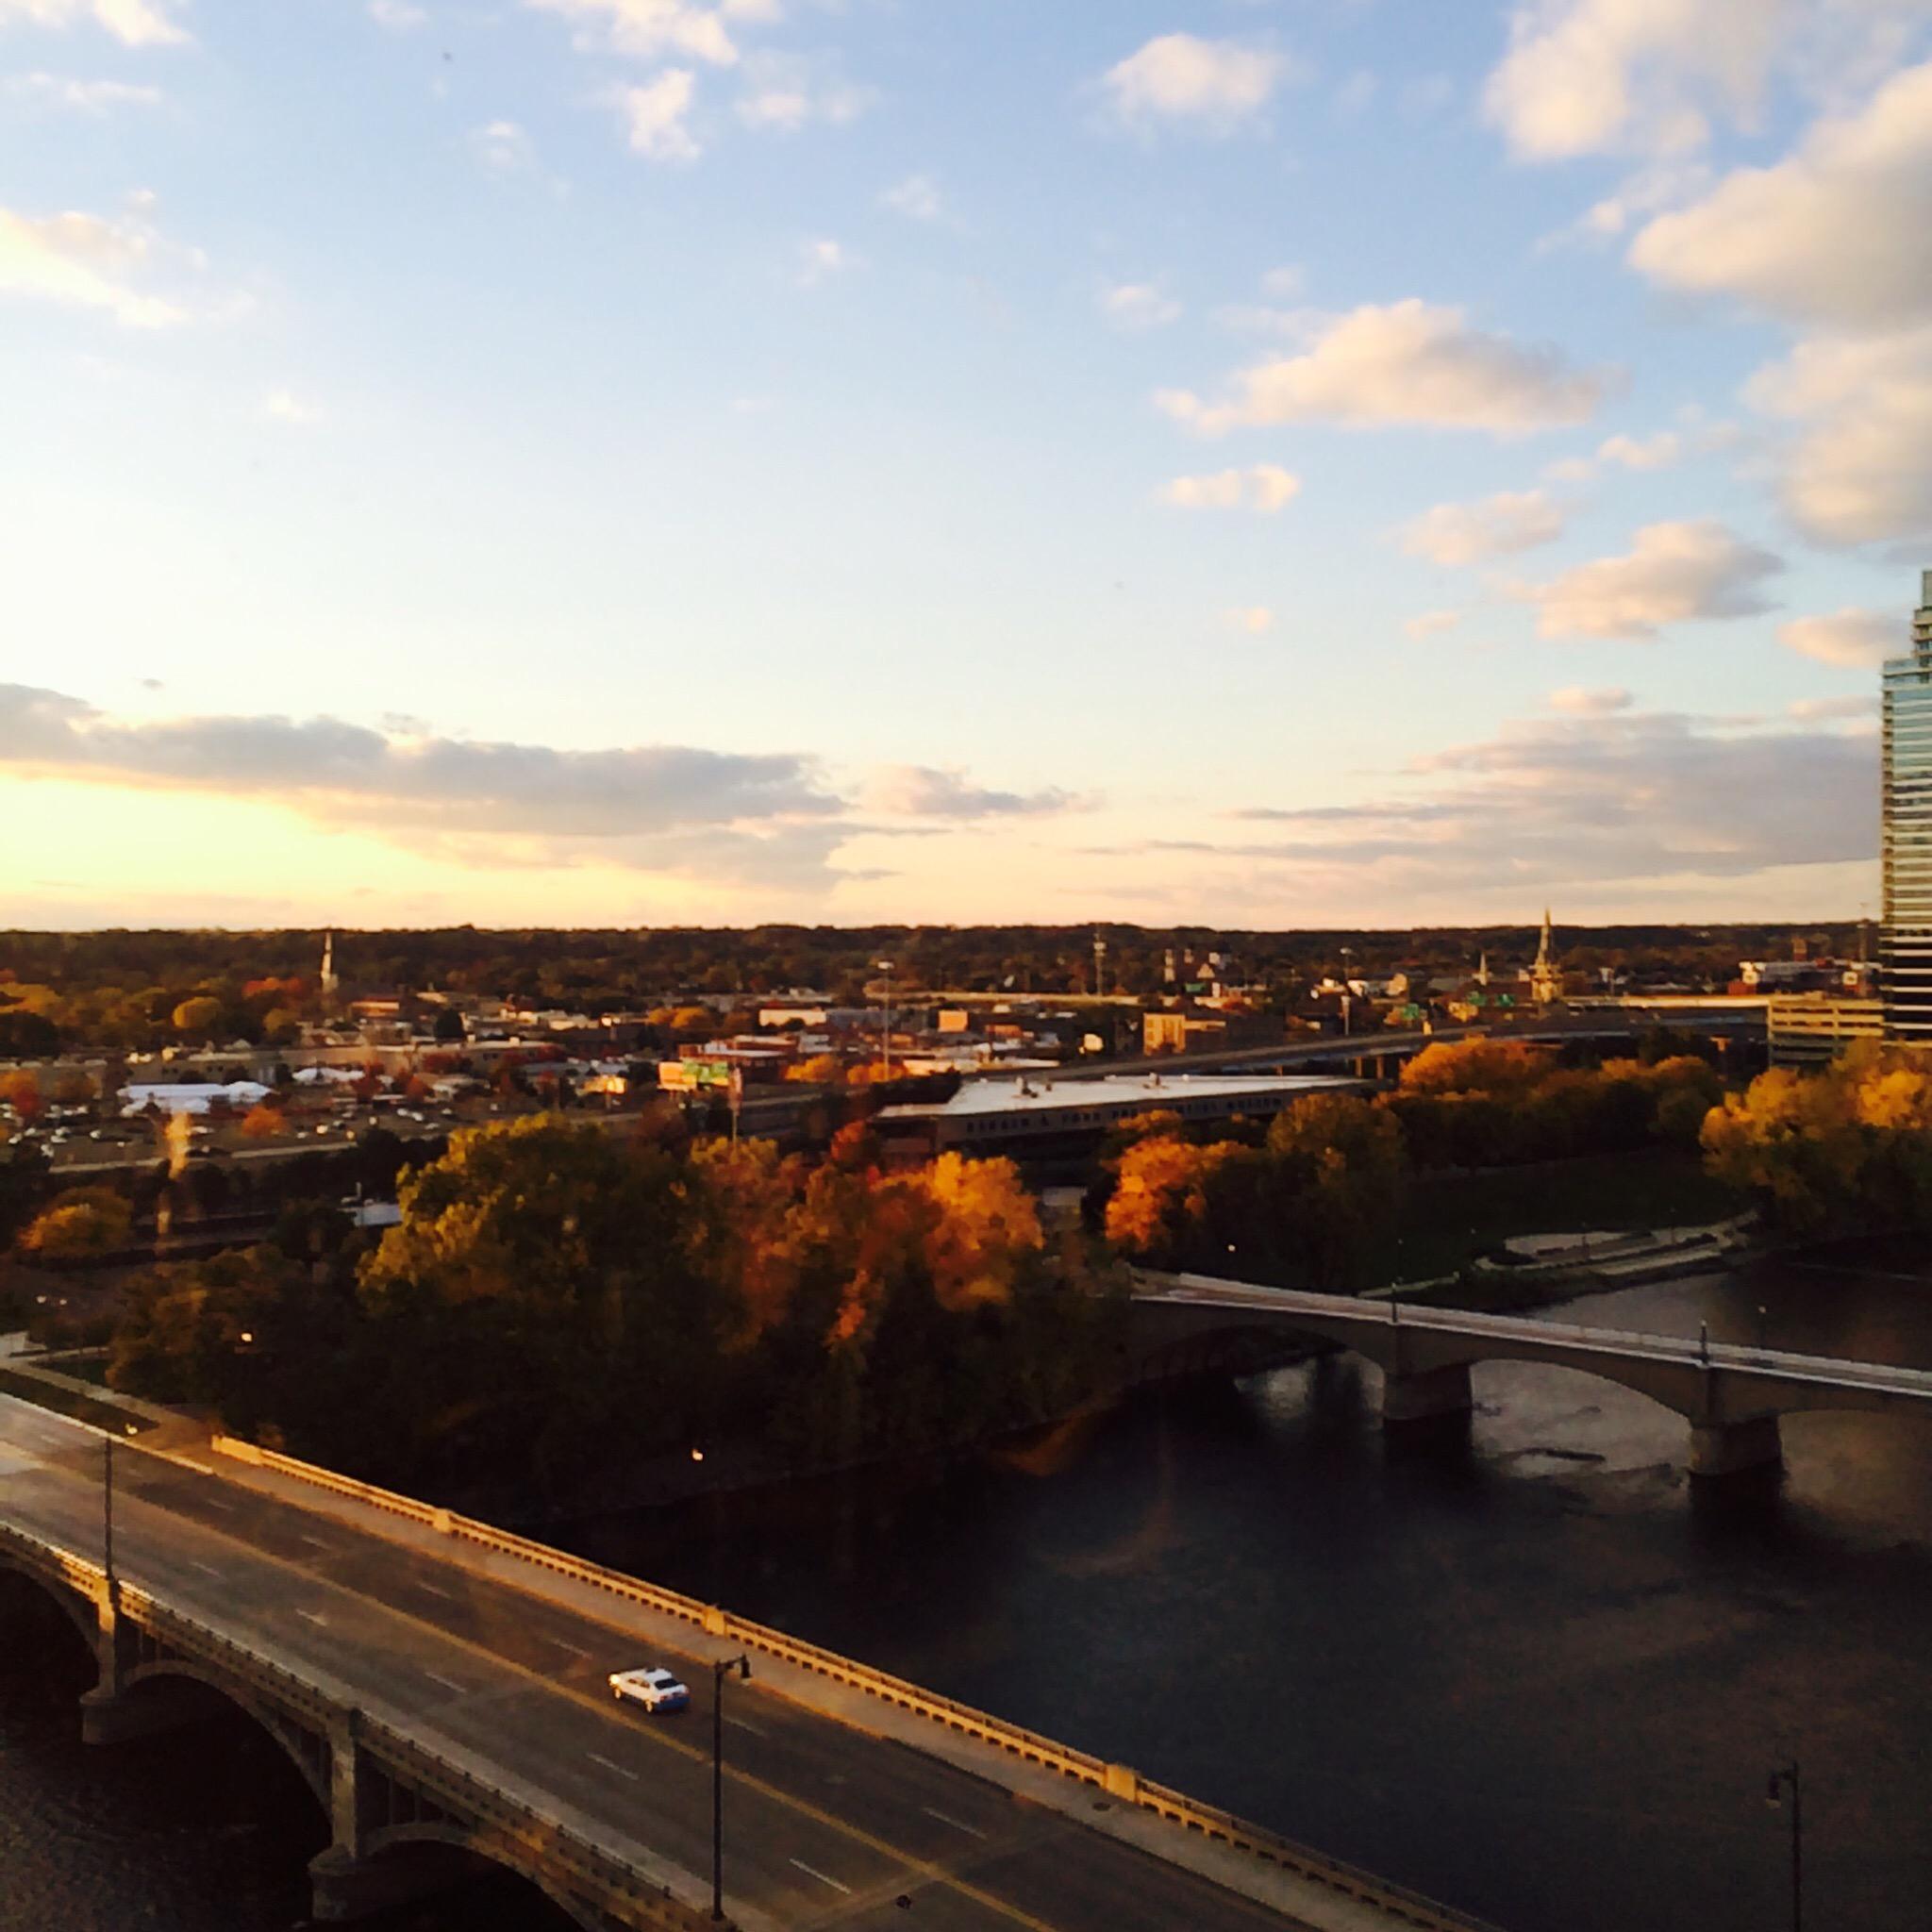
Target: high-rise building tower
1905, 937
1099, 965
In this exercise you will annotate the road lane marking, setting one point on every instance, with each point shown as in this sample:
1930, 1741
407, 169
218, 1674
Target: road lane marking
824, 1877
958, 1823
436, 1589
314, 1542
199, 1467
207, 1569
742, 1725
320, 1622
598, 1757
447, 1683
216, 1502
581, 1656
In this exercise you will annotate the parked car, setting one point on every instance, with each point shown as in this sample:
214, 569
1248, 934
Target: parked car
657, 1690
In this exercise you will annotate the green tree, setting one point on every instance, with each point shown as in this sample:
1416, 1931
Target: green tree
79, 1221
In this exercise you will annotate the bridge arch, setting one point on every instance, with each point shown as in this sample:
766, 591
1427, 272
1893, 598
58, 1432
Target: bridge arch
395, 1840
78, 1609
306, 1749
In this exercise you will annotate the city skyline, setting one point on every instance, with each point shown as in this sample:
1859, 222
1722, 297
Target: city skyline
630, 462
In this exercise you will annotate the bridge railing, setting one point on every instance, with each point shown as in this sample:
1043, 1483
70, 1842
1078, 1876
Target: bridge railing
1120, 1783
324, 1701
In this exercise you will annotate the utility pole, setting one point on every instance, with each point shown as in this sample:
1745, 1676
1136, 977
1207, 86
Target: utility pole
108, 1519
885, 966
1773, 1797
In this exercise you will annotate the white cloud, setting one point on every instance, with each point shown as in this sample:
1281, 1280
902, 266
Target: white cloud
1179, 77
1592, 77
133, 23
82, 96
1674, 572
916, 197
503, 147
1283, 284
81, 260
282, 406
1861, 469
398, 16
1826, 710
1408, 362
1253, 618
1838, 233
784, 91
1262, 487
1500, 525
820, 259
648, 28
1432, 623
656, 115
1657, 452
1853, 639
1138, 305
1578, 702
926, 791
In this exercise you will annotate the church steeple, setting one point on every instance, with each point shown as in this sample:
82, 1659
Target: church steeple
327, 979
1544, 982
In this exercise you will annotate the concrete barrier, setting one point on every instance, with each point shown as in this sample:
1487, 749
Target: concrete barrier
1119, 1782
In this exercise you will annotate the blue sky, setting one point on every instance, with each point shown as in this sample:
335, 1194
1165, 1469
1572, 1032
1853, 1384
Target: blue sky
630, 461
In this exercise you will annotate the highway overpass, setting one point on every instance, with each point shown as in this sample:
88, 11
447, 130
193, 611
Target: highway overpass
440, 1687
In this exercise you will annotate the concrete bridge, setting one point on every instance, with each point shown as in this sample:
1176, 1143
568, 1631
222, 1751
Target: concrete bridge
1732, 1397
439, 1686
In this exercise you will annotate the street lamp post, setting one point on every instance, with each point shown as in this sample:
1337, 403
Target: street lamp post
721, 1668
107, 1515
885, 966
1778, 1783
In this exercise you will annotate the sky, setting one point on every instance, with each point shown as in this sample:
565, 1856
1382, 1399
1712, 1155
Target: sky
1225, 462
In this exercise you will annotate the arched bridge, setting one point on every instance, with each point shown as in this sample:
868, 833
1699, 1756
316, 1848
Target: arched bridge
440, 1687
1731, 1396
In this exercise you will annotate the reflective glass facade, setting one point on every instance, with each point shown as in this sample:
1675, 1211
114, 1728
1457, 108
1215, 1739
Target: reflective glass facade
1906, 946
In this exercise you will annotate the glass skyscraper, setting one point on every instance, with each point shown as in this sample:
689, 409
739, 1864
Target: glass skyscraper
1906, 943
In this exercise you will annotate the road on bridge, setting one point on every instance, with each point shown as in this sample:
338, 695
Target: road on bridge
826, 1825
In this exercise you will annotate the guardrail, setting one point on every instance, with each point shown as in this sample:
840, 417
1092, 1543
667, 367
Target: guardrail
1119, 1782
322, 1700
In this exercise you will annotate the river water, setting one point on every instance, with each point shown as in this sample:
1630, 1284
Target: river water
1535, 1674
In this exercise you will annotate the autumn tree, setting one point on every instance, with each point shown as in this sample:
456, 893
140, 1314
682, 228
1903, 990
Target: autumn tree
79, 1221
195, 1017
1337, 1169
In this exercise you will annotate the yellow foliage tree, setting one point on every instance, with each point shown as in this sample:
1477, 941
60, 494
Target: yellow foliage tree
80, 1221
988, 1223
1505, 1068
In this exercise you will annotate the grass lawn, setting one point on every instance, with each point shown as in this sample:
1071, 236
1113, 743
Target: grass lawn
1450, 1220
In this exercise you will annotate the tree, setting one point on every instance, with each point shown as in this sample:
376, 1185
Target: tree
195, 1018
263, 1123
1166, 1194
1339, 1165
80, 1221
1501, 1068
449, 1026
21, 1090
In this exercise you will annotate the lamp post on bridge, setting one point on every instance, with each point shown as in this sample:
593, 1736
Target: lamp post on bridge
107, 1518
721, 1668
1775, 1786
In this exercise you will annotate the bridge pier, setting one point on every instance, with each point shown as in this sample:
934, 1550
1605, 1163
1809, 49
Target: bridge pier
1424, 1396
1729, 1448
111, 1713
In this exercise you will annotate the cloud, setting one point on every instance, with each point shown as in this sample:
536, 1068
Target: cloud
1825, 711
1252, 618
1851, 639
820, 259
397, 16
281, 406
917, 198
1138, 305
1265, 487
656, 807
84, 261
1860, 468
1592, 76
1838, 233
784, 91
1410, 362
655, 115
926, 791
1580, 801
1213, 85
1674, 572
1432, 623
649, 28
1579, 703
82, 96
133, 23
1646, 453
502, 147
1461, 533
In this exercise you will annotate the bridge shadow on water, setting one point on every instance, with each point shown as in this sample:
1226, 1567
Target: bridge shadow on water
204, 1828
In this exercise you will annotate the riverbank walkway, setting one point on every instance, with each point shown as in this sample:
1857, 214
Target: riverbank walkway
440, 1686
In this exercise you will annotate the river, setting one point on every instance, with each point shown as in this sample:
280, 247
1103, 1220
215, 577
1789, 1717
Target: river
1538, 1677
